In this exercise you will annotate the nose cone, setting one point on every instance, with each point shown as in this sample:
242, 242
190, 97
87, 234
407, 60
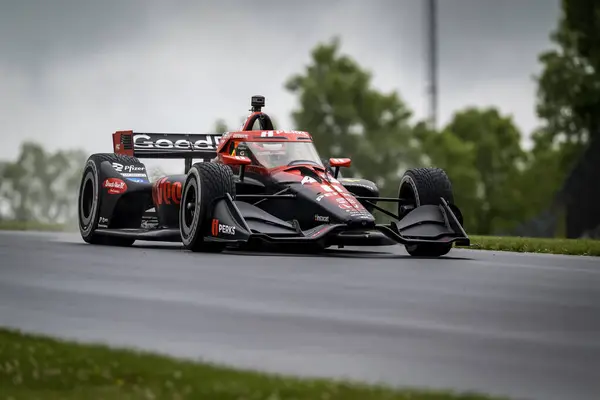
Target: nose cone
341, 203
328, 197
366, 221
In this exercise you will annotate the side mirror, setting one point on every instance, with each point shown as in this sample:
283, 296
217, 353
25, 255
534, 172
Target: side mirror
337, 163
237, 160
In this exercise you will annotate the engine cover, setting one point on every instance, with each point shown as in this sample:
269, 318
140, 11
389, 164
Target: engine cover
166, 195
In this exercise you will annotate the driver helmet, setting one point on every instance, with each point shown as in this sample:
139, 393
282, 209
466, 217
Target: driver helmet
242, 150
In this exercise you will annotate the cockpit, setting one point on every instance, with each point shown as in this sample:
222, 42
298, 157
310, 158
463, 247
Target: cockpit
277, 153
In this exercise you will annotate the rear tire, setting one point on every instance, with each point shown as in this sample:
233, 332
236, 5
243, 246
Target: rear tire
205, 184
90, 200
425, 186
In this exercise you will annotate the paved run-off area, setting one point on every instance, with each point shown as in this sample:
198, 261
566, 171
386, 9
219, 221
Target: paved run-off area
522, 325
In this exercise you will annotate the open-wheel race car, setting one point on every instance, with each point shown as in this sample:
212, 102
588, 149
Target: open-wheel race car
255, 189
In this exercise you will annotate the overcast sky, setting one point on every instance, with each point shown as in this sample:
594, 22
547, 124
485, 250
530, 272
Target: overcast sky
74, 71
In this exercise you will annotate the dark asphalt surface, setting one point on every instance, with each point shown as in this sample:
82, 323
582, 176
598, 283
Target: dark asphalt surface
526, 326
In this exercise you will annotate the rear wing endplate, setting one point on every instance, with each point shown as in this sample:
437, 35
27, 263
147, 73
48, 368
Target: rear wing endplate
166, 145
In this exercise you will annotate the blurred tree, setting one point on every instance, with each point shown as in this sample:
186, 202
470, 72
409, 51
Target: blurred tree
220, 126
569, 105
569, 85
446, 150
4, 205
582, 19
349, 118
543, 175
481, 152
40, 186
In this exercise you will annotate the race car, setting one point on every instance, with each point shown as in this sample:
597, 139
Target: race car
257, 189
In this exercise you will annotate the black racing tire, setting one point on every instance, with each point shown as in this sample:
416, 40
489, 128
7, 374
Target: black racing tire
205, 184
90, 201
425, 186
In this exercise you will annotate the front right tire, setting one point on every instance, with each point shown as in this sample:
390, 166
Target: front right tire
205, 184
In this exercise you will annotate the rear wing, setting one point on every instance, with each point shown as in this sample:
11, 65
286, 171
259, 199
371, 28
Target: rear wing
166, 145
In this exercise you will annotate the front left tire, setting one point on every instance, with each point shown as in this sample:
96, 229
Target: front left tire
425, 186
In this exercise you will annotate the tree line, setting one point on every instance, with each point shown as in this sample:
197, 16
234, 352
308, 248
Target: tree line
498, 183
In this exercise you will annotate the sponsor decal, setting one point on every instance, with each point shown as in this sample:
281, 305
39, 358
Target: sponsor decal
103, 222
128, 168
284, 132
340, 193
337, 188
321, 195
137, 180
217, 228
308, 179
347, 203
134, 175
321, 218
166, 192
214, 227
273, 133
115, 186
146, 142
329, 177
345, 206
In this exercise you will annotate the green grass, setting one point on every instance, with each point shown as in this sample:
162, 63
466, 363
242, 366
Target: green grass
38, 367
581, 247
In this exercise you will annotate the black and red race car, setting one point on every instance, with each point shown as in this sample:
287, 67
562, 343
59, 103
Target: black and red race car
255, 189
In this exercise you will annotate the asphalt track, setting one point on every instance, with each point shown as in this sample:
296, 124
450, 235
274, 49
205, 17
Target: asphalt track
526, 326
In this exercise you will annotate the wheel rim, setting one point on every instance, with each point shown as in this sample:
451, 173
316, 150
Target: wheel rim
190, 208
408, 190
87, 201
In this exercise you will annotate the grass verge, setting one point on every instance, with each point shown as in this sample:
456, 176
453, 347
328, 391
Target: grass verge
34, 366
581, 247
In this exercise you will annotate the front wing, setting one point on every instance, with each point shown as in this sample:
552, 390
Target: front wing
241, 223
